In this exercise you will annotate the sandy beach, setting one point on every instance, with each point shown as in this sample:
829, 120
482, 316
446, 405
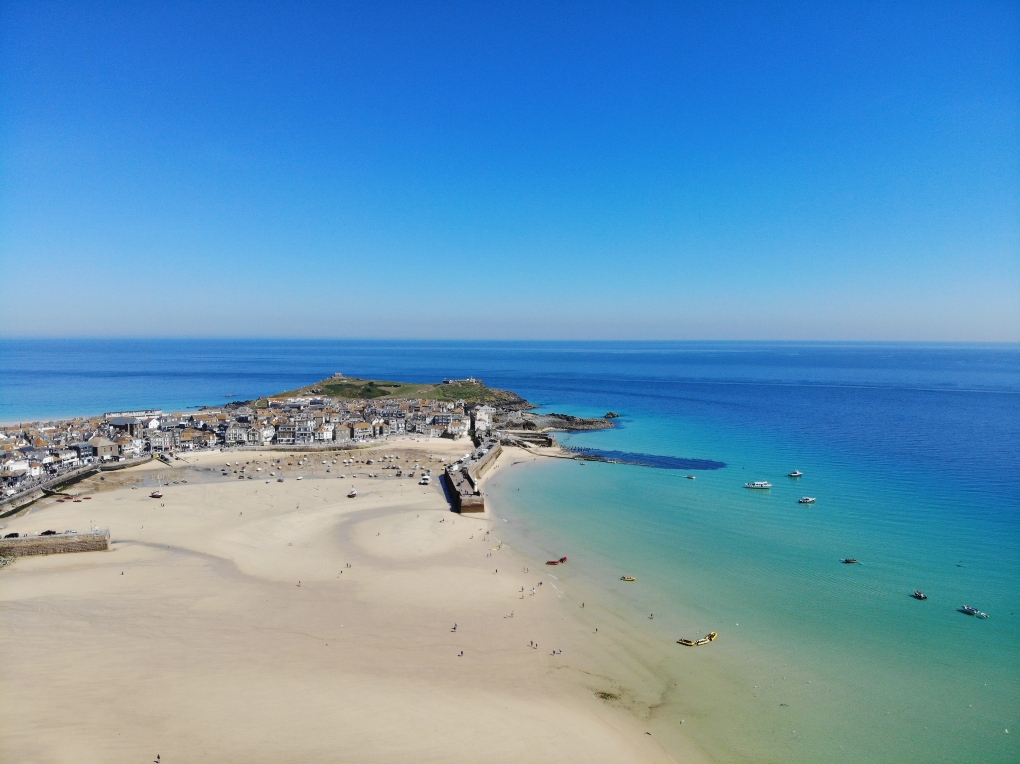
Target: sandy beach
264, 621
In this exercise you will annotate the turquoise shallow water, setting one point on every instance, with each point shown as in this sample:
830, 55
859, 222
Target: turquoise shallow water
912, 451
830, 662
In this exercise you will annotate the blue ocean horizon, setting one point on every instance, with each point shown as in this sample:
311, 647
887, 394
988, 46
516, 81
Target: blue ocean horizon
912, 450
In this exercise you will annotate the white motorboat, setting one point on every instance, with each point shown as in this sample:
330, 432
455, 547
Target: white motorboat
758, 484
806, 500
353, 494
795, 473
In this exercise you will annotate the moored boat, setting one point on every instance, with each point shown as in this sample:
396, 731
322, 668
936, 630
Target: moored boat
973, 611
690, 477
628, 578
795, 473
759, 484
850, 561
806, 500
919, 595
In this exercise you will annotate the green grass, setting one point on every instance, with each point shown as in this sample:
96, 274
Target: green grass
350, 388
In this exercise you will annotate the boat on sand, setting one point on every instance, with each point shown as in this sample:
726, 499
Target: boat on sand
710, 637
556, 562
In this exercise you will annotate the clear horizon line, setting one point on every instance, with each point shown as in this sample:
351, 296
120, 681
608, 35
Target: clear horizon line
312, 338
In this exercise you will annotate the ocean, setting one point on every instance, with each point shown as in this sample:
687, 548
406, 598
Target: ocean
912, 451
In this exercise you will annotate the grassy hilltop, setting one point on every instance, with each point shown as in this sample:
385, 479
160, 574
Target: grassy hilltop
352, 388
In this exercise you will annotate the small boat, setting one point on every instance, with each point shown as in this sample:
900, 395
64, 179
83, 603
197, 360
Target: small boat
690, 477
556, 562
795, 473
973, 611
425, 480
353, 494
627, 578
156, 495
759, 484
919, 595
299, 477
710, 637
806, 500
850, 561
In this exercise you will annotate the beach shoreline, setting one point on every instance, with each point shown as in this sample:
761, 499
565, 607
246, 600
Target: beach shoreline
224, 623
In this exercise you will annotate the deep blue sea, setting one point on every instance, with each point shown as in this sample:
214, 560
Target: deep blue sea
912, 450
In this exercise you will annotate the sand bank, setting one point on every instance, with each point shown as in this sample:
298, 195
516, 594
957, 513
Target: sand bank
263, 621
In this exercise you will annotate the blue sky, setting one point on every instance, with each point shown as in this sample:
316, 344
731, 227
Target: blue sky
511, 170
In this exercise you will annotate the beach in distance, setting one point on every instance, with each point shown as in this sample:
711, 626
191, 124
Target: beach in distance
284, 621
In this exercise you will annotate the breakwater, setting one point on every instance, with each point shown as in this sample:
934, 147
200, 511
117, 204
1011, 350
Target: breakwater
657, 461
55, 543
464, 479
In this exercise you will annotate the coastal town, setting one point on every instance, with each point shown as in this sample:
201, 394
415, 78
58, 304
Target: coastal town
37, 454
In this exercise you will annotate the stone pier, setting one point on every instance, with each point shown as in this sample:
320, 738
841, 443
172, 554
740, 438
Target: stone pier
57, 543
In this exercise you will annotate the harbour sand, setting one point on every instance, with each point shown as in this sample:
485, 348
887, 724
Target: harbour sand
263, 621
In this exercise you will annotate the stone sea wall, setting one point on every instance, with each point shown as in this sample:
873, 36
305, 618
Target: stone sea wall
60, 543
465, 483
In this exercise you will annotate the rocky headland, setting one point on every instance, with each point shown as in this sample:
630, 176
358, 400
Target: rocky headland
553, 421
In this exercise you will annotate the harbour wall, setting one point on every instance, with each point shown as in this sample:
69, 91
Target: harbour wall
59, 543
14, 504
124, 464
480, 467
464, 483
